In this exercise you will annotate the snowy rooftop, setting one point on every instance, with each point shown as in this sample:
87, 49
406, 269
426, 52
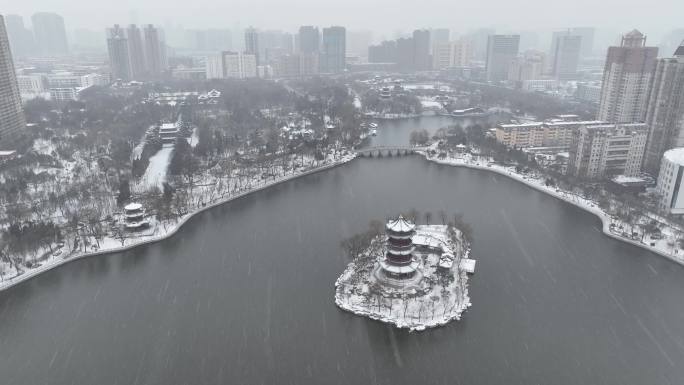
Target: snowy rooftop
400, 225
676, 155
133, 207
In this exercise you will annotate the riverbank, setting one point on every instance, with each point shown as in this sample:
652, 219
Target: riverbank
108, 245
661, 245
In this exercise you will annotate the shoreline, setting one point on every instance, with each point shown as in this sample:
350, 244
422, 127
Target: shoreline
591, 208
11, 282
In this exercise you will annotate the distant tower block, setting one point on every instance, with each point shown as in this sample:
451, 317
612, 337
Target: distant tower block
399, 262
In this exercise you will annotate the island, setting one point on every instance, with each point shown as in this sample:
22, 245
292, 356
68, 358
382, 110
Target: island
411, 276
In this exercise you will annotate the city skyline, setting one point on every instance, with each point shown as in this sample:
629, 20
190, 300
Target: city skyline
459, 18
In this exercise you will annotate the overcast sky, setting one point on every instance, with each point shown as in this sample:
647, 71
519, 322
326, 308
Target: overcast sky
384, 17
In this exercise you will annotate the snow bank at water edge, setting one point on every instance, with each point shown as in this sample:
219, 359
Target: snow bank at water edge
662, 246
158, 231
437, 295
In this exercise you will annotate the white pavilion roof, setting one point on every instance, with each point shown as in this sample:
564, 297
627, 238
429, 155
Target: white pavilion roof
133, 207
400, 225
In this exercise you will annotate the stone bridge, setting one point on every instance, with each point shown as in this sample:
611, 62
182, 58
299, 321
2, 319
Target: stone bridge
388, 151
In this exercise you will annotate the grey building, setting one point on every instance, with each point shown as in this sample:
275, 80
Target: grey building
422, 61
626, 78
117, 48
252, 43
665, 110
155, 51
20, 38
587, 34
333, 58
309, 39
50, 34
136, 52
566, 49
501, 51
12, 122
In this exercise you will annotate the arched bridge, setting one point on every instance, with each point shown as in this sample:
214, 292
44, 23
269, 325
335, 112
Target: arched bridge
388, 151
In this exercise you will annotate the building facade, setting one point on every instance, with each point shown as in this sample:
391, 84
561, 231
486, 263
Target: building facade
556, 133
605, 150
501, 51
669, 187
333, 57
566, 49
50, 34
117, 48
626, 78
252, 42
665, 110
12, 122
20, 38
309, 39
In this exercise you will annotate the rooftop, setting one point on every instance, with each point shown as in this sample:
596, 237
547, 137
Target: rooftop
400, 225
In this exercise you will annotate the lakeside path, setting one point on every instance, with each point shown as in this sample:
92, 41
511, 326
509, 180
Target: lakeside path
661, 247
111, 247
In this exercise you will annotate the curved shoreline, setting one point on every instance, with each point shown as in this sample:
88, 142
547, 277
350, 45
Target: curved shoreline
592, 208
11, 282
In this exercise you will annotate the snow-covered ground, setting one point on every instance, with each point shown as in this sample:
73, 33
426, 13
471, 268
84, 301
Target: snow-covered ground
666, 247
209, 192
155, 174
439, 297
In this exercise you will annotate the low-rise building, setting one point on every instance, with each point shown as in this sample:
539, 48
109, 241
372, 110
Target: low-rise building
551, 133
669, 186
599, 150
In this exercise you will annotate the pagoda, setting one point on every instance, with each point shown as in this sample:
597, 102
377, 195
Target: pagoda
399, 262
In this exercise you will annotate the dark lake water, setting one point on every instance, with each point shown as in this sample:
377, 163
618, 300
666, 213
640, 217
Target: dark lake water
243, 294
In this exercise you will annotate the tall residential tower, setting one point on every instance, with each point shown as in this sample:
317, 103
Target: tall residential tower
626, 78
12, 121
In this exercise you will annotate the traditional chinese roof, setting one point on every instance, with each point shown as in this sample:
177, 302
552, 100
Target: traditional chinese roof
400, 225
133, 207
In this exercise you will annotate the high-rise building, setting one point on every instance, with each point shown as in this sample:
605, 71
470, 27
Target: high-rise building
50, 34
231, 65
528, 67
479, 40
587, 34
607, 149
20, 38
155, 51
252, 43
626, 78
385, 52
12, 122
421, 50
136, 51
501, 51
439, 36
117, 48
452, 54
333, 58
405, 54
309, 39
665, 109
565, 55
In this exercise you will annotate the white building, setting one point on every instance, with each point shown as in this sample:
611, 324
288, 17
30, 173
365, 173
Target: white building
239, 65
669, 186
231, 65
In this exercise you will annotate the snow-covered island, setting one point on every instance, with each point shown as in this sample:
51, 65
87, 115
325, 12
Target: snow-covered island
413, 276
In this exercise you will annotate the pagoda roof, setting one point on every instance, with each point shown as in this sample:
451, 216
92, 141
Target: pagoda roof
133, 207
400, 225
